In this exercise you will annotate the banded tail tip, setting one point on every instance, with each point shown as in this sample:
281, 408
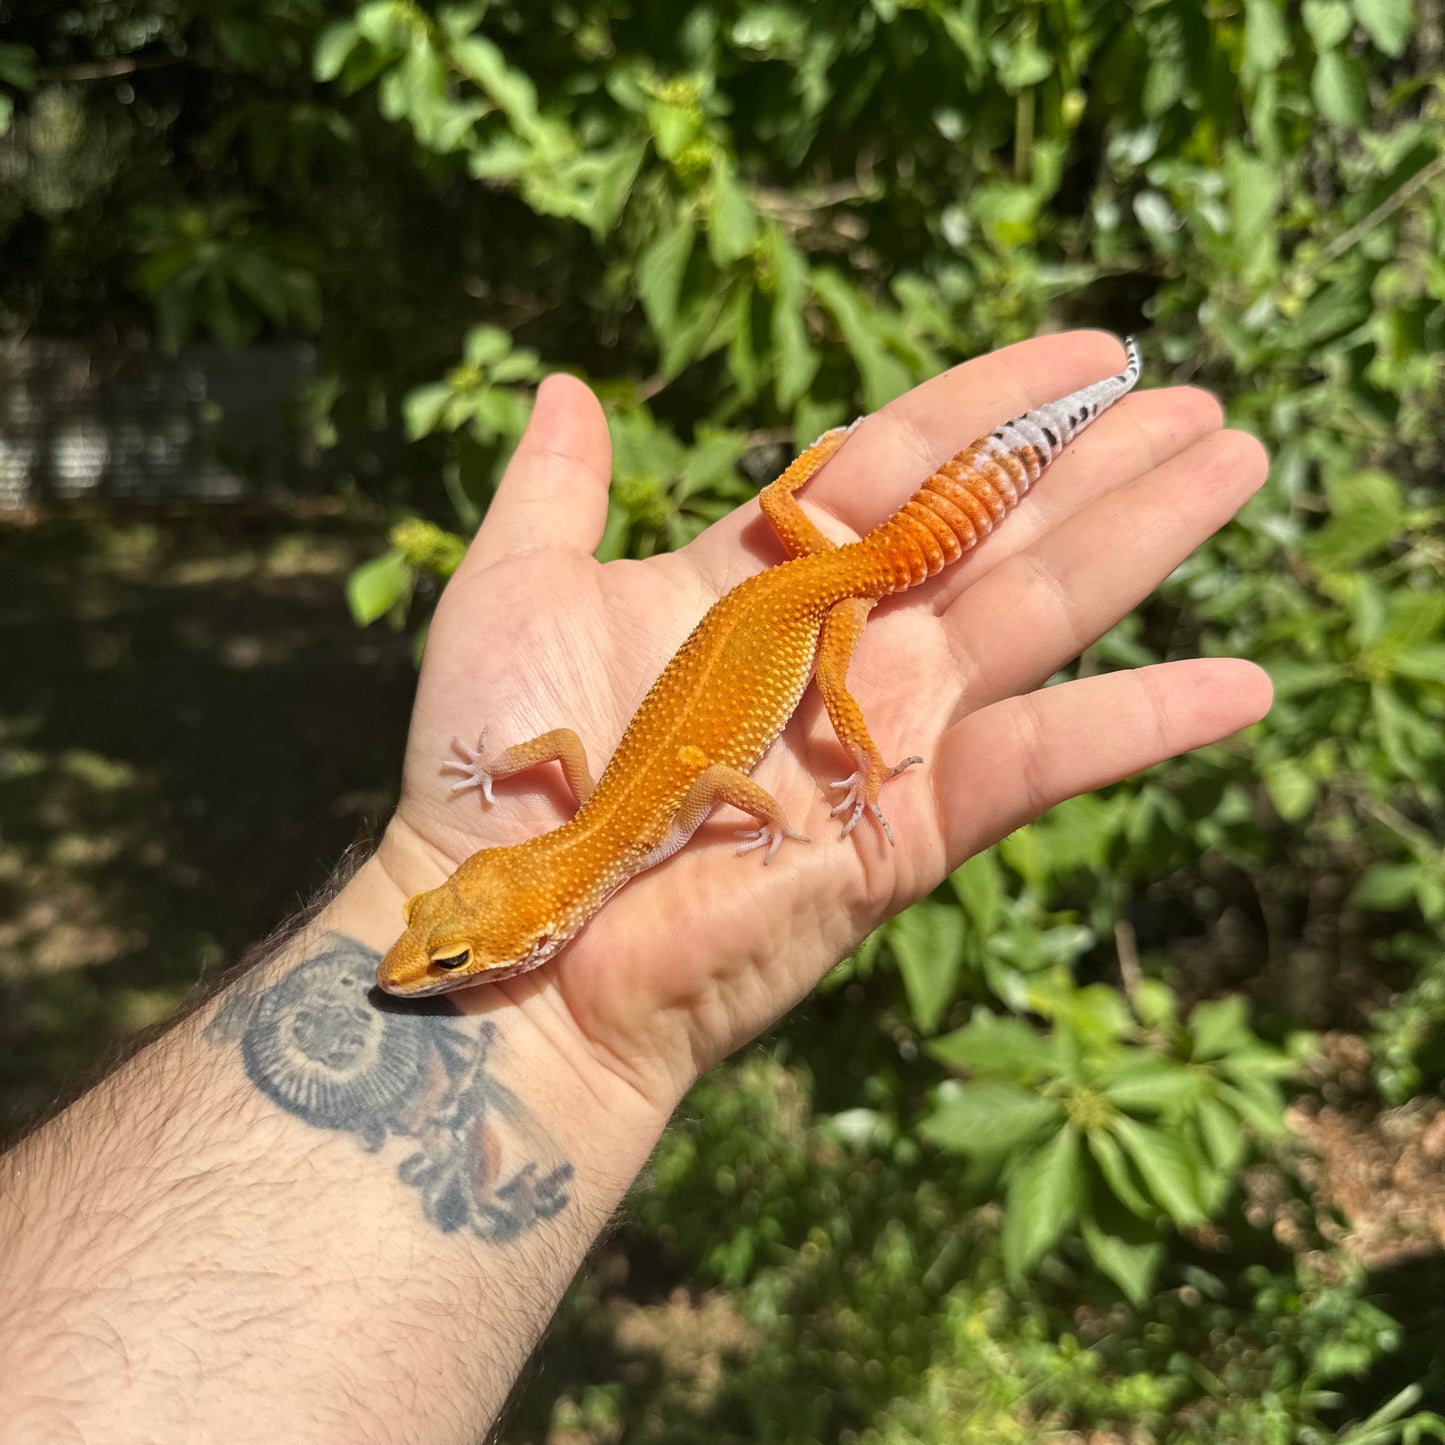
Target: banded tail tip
1052, 427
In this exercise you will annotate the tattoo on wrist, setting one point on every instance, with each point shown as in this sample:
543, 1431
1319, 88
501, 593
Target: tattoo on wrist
331, 1049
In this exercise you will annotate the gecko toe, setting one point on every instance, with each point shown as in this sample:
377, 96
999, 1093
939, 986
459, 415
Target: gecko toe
472, 766
767, 836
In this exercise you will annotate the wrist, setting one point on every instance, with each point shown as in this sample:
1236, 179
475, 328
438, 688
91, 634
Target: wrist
603, 1124
316, 1165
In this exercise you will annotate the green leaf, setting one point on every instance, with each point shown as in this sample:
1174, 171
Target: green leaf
1258, 1102
509, 90
1119, 1174
980, 888
611, 178
382, 24
1024, 65
1367, 513
1254, 192
497, 412
1333, 311
660, 271
1166, 1168
1387, 887
1291, 675
927, 941
732, 221
1043, 1200
673, 127
882, 374
795, 358
1153, 1085
486, 345
1220, 1027
333, 46
422, 78
745, 366
988, 1117
1387, 22
1292, 788
1425, 662
423, 407
1131, 1262
1407, 736
1266, 37
1338, 86
1327, 21
1223, 1138
994, 1045
1097, 1012
1414, 617
377, 587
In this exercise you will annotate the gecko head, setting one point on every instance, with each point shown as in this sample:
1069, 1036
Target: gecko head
477, 931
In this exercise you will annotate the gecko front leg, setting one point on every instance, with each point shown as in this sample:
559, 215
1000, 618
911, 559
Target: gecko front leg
561, 745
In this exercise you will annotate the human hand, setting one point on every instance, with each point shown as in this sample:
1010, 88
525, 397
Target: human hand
700, 953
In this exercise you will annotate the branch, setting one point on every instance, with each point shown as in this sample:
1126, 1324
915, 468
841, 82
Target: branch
111, 69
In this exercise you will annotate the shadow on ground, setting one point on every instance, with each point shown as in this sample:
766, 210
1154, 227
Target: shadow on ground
191, 732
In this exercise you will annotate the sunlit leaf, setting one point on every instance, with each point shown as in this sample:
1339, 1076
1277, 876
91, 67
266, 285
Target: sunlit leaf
1165, 1166
1387, 886
660, 270
989, 1117
1043, 1199
994, 1045
1387, 22
1339, 88
378, 587
927, 941
979, 886
1130, 1257
1119, 1174
732, 221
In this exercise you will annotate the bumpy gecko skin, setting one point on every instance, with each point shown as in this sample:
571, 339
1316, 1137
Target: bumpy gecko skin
717, 708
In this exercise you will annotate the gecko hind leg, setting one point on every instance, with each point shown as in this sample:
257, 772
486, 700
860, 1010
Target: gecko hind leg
841, 630
561, 745
796, 530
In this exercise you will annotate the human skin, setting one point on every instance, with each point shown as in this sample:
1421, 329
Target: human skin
310, 1214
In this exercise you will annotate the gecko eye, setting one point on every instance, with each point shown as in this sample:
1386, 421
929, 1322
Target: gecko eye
454, 960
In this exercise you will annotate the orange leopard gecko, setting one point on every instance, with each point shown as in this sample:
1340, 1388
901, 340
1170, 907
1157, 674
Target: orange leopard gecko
692, 743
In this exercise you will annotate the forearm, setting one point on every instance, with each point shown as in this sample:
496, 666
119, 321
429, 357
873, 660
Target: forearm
305, 1216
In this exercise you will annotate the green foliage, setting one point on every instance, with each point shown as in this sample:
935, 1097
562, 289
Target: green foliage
870, 1271
744, 222
1124, 1122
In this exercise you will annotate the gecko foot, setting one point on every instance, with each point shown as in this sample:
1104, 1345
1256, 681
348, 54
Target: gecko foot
470, 763
769, 835
855, 797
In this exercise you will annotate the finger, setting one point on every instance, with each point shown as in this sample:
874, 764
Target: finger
1049, 602
895, 450
554, 491
1002, 767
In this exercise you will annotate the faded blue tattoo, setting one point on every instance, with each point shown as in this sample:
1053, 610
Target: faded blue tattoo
329, 1048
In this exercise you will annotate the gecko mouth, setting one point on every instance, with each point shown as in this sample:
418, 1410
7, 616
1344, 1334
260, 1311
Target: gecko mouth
420, 989
451, 982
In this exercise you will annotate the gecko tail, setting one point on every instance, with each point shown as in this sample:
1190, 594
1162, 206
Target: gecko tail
969, 495
1050, 428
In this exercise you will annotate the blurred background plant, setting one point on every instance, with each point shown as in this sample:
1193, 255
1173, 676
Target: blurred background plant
1023, 1166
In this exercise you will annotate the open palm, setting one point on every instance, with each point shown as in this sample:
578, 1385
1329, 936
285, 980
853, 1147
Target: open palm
700, 953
